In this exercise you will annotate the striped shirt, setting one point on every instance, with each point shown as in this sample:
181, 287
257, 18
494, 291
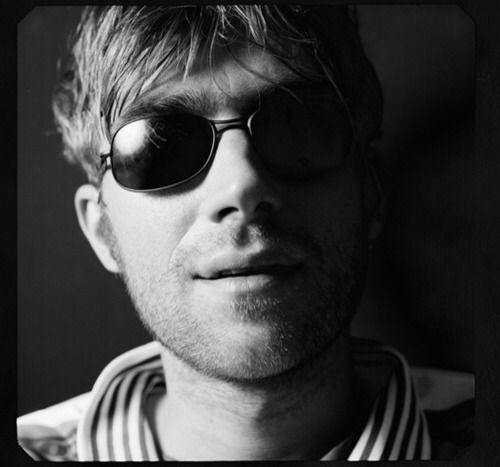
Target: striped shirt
110, 423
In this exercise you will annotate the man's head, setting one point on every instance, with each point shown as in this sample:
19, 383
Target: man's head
251, 261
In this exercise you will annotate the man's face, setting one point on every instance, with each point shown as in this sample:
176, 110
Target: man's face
241, 273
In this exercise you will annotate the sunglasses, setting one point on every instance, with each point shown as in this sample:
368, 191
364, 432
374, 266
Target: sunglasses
298, 134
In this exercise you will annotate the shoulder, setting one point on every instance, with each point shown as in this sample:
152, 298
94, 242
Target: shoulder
50, 433
447, 398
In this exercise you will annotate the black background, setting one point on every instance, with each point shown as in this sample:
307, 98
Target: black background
434, 268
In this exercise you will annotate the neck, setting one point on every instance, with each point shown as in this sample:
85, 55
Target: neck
298, 415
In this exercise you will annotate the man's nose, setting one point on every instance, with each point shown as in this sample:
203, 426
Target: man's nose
238, 187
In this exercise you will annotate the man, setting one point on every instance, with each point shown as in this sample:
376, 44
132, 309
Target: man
231, 186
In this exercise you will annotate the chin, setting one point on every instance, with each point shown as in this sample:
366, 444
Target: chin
246, 351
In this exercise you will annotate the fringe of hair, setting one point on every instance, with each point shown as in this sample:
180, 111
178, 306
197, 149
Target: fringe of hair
119, 52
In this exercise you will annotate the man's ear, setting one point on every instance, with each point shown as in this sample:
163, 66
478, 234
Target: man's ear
375, 194
89, 213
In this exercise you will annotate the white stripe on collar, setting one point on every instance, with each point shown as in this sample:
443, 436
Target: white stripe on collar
124, 372
115, 427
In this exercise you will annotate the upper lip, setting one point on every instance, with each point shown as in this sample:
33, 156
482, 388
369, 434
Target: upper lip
239, 264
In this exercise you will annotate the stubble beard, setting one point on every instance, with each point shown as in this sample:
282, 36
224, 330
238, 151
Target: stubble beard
327, 305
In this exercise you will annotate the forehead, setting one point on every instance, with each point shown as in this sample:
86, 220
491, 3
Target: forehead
231, 83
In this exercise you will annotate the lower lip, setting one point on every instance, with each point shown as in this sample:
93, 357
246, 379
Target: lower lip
251, 283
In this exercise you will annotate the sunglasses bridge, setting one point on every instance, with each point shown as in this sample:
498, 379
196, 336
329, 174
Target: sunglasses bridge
220, 126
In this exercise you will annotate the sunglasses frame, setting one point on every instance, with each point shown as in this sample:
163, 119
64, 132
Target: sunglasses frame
244, 123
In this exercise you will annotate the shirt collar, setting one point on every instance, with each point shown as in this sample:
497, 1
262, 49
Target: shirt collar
115, 427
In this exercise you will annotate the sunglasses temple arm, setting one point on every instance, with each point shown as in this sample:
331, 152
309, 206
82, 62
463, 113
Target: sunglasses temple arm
104, 166
104, 158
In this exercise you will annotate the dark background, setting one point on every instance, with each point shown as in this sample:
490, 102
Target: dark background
421, 296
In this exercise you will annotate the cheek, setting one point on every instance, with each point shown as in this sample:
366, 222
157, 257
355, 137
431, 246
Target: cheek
333, 206
148, 228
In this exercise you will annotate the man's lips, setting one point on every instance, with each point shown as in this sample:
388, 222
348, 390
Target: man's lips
236, 264
270, 269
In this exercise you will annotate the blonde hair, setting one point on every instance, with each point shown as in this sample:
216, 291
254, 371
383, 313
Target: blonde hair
118, 52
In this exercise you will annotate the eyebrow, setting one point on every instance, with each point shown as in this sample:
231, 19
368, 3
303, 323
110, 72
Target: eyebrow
203, 101
188, 100
195, 100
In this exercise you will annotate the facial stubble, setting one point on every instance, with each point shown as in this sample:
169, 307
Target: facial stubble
337, 275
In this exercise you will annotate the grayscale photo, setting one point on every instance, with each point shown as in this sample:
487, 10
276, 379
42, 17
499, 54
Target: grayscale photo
244, 233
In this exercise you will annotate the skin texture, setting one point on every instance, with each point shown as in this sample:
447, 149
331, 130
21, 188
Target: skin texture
248, 342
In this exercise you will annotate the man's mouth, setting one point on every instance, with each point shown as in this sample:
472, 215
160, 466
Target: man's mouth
256, 270
271, 269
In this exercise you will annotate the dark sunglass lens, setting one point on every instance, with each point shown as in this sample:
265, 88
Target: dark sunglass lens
304, 134
160, 151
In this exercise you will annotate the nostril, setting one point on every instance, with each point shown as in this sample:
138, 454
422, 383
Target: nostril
263, 207
226, 211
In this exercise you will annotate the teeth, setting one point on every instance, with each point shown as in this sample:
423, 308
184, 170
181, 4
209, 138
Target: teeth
232, 272
250, 271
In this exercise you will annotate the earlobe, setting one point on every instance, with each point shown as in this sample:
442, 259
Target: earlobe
89, 213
